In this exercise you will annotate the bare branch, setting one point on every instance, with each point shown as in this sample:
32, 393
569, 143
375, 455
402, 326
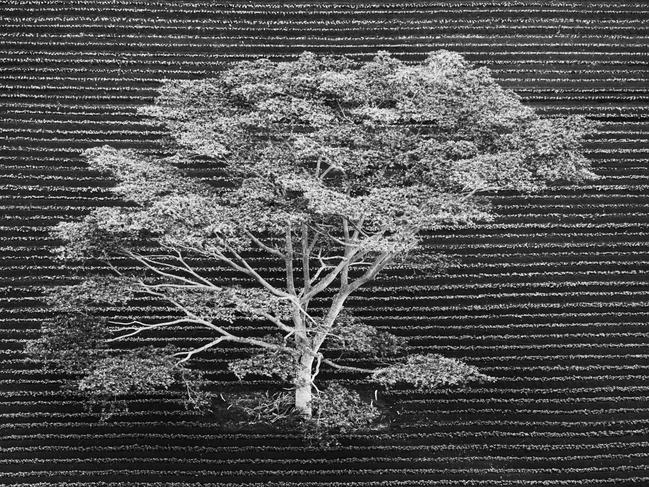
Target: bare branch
344, 275
273, 319
190, 269
323, 267
151, 265
331, 276
180, 286
379, 264
290, 280
306, 260
232, 338
358, 229
346, 229
263, 246
319, 358
187, 312
247, 269
193, 352
328, 235
316, 238
142, 327
478, 190
349, 368
262, 344
329, 169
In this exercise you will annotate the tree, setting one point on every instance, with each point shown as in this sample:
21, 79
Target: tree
335, 169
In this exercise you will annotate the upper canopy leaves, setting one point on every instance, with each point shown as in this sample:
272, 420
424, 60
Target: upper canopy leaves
390, 147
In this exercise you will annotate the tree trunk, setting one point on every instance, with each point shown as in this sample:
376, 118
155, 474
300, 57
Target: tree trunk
303, 390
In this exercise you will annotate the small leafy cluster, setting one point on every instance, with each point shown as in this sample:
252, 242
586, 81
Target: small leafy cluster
69, 342
91, 290
350, 334
342, 410
428, 372
140, 371
268, 363
142, 180
96, 235
74, 344
424, 263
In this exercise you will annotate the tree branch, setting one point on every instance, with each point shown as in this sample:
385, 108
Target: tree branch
235, 339
358, 229
193, 352
247, 269
325, 281
262, 344
263, 246
149, 289
290, 280
143, 327
190, 270
349, 367
478, 190
380, 263
182, 308
328, 235
344, 274
319, 358
273, 319
306, 258
313, 243
150, 264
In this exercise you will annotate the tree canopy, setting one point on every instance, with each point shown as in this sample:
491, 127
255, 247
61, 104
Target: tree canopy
333, 168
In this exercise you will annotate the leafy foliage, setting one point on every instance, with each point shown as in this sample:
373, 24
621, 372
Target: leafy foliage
428, 372
350, 334
342, 410
140, 371
393, 145
92, 290
69, 342
144, 370
269, 363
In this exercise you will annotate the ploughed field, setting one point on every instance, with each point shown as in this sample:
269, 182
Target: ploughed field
551, 298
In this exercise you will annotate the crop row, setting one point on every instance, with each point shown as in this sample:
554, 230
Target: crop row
629, 481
